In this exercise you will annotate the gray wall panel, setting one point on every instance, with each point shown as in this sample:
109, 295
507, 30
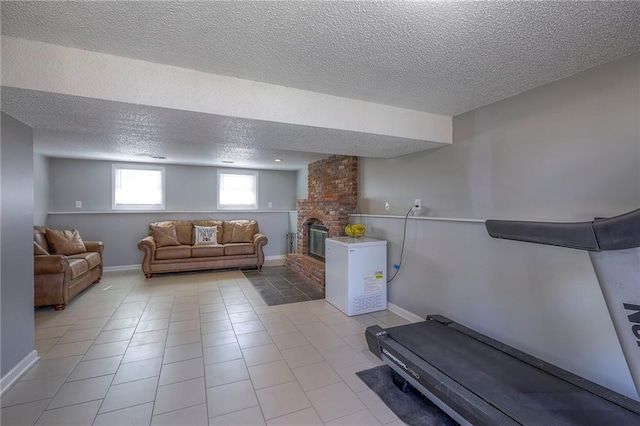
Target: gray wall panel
302, 187
191, 188
562, 151
41, 189
277, 188
188, 188
565, 151
16, 245
79, 180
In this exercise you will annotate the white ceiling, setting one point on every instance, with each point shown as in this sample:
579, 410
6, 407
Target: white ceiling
437, 57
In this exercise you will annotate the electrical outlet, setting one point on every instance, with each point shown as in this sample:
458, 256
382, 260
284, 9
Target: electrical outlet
78, 204
386, 207
417, 207
269, 204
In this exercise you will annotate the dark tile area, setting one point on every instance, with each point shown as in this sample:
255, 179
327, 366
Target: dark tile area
277, 285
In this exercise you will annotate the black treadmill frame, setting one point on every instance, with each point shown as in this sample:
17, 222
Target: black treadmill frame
460, 403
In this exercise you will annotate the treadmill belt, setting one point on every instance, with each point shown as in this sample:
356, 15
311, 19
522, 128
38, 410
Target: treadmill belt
527, 394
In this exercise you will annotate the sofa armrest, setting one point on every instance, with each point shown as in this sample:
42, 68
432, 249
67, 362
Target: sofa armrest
51, 280
52, 264
94, 246
148, 246
259, 241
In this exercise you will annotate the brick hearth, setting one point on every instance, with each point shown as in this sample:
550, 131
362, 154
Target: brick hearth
312, 269
333, 196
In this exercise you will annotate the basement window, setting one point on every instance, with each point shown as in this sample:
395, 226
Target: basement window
137, 187
237, 189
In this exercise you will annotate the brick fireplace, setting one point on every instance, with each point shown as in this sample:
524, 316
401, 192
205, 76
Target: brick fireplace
332, 197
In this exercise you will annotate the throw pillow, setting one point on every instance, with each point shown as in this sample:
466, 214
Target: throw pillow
228, 230
209, 222
38, 250
164, 235
65, 242
243, 232
206, 234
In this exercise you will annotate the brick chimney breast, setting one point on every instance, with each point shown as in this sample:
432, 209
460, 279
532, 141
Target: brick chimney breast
332, 197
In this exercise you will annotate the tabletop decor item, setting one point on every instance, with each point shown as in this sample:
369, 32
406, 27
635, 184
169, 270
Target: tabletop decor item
355, 231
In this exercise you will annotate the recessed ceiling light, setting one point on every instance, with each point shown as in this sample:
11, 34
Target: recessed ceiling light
227, 161
277, 160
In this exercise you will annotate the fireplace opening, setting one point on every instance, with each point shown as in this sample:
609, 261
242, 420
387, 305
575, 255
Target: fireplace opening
317, 234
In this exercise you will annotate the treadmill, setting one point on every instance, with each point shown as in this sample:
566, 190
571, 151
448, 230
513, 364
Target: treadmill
480, 381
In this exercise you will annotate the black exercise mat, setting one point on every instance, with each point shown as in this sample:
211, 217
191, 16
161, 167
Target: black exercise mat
412, 407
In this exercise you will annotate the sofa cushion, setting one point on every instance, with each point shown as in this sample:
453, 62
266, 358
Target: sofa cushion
174, 252
77, 267
216, 223
207, 250
207, 235
38, 250
232, 249
93, 259
65, 242
239, 231
164, 234
40, 237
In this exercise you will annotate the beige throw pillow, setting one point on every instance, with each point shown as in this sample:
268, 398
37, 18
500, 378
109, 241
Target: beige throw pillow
38, 250
164, 235
66, 242
243, 232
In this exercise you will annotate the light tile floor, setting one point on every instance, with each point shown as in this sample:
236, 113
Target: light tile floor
196, 349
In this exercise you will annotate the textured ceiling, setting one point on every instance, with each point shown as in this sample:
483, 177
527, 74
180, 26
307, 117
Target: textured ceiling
439, 57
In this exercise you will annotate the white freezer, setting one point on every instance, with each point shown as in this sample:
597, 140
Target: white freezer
356, 274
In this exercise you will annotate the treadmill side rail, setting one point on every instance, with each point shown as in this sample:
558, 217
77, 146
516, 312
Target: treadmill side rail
373, 335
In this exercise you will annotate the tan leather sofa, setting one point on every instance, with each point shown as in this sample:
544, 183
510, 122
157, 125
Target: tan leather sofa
238, 244
58, 278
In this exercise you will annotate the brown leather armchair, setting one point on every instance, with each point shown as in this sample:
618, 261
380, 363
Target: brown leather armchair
59, 278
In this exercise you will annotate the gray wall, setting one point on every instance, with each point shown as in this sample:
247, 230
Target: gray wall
41, 190
188, 189
562, 151
302, 184
569, 150
16, 246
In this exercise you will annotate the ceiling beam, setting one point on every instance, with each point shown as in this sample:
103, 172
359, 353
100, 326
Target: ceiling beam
46, 67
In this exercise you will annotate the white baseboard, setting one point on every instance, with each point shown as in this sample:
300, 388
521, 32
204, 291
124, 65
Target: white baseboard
121, 268
268, 261
409, 316
274, 260
18, 371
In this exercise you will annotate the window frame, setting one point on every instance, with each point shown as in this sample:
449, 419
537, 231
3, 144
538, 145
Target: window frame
253, 173
140, 207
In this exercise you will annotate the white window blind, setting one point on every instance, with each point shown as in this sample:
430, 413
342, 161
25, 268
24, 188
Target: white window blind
237, 190
138, 187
